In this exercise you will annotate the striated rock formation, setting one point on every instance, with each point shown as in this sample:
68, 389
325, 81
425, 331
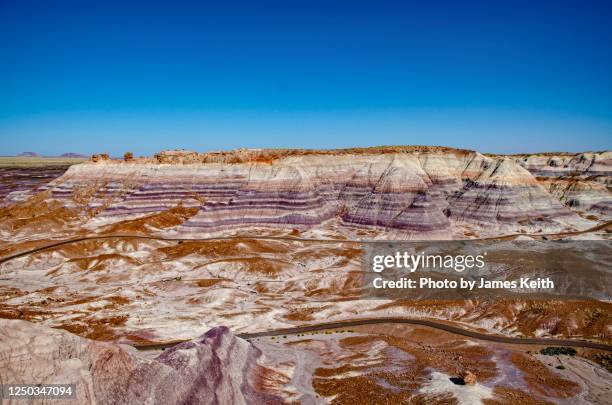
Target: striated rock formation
18, 183
403, 192
581, 181
216, 368
126, 251
567, 164
386, 363
590, 195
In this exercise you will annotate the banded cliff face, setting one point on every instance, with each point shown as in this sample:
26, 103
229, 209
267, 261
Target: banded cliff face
568, 164
424, 193
582, 181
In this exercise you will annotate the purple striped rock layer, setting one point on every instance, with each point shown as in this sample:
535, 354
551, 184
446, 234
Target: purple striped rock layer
216, 368
19, 183
407, 195
581, 181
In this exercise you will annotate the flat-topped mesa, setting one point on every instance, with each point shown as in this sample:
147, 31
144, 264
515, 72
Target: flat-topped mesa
388, 192
244, 155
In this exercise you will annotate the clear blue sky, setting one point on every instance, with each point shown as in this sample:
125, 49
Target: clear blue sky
85, 76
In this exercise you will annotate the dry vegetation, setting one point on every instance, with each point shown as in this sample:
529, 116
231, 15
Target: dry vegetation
270, 155
22, 161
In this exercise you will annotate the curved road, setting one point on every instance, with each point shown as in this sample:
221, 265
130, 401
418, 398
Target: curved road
390, 320
281, 238
346, 323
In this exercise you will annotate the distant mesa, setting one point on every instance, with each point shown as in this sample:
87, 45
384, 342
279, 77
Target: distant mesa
64, 155
73, 155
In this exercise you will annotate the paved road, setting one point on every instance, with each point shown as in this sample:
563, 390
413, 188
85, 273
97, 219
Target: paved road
421, 322
278, 238
348, 323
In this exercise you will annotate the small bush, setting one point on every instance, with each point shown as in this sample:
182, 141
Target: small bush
605, 360
556, 351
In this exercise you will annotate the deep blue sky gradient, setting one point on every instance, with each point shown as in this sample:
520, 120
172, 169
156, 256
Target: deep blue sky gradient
494, 76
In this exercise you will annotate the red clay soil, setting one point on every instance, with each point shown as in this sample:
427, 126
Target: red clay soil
569, 319
167, 219
541, 380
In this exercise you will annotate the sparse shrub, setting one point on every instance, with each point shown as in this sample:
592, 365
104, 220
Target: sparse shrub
128, 156
605, 360
556, 351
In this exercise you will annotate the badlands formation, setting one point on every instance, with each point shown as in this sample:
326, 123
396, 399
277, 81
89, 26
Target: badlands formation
365, 365
180, 246
216, 368
373, 193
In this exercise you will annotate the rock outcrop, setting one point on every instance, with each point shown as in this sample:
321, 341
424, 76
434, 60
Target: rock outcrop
18, 183
468, 377
216, 368
568, 164
581, 181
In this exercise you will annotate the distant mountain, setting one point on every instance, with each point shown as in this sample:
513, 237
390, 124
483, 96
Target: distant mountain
65, 155
73, 155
